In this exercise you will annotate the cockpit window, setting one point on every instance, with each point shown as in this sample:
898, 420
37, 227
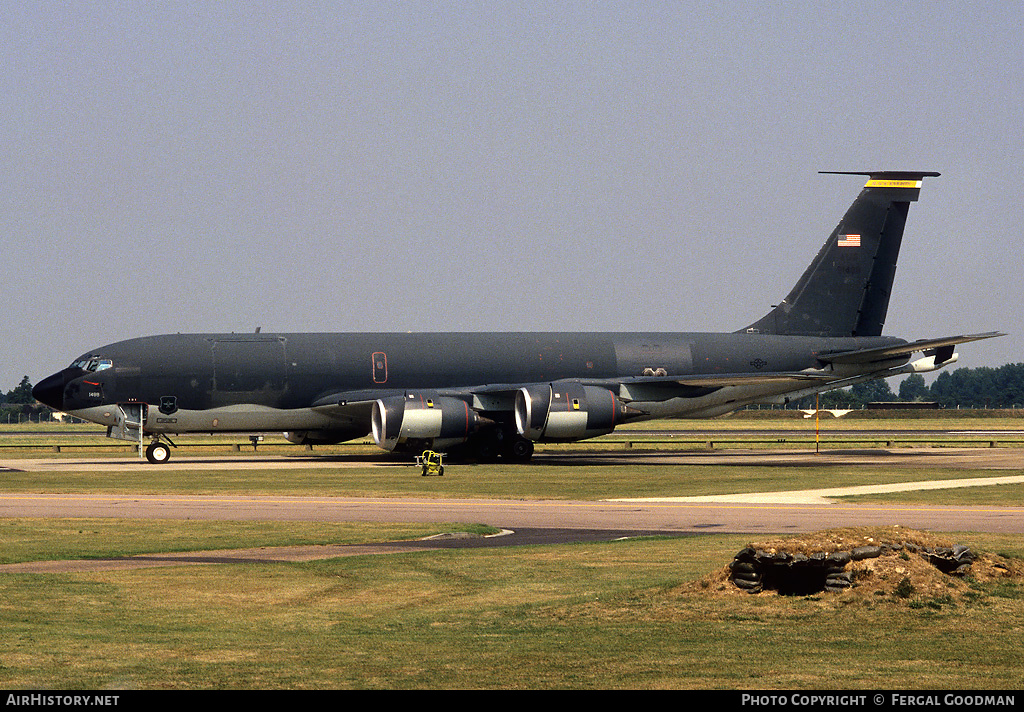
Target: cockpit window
93, 364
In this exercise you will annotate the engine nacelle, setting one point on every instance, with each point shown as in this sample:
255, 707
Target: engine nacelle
929, 364
441, 421
567, 411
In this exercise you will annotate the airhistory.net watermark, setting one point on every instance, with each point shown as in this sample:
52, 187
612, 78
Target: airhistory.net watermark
51, 700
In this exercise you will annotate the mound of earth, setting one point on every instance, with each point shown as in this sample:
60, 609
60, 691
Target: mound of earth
868, 562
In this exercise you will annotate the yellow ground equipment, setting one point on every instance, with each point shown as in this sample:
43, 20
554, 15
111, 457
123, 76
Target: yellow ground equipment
431, 462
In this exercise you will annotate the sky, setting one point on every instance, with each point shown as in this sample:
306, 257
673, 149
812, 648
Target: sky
492, 166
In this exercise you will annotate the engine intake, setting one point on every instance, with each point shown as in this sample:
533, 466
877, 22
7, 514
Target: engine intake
567, 412
417, 419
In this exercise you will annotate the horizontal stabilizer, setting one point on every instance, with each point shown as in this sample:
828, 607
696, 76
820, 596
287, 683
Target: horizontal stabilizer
880, 177
888, 353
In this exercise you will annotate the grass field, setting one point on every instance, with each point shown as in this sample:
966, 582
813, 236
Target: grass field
627, 614
516, 482
615, 615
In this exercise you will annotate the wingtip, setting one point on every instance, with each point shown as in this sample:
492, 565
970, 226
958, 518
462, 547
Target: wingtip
984, 335
886, 175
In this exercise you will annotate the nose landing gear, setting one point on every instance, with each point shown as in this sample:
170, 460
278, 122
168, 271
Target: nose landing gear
130, 424
157, 452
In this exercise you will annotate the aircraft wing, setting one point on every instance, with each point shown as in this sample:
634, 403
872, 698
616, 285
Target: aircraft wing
659, 388
941, 348
698, 380
502, 396
354, 399
356, 406
719, 380
351, 408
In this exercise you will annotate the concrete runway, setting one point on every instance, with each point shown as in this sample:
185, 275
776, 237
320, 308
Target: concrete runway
550, 521
678, 515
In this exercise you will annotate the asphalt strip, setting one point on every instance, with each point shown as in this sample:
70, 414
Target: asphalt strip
283, 554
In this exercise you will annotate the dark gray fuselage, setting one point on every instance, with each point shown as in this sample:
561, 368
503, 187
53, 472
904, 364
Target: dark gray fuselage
292, 371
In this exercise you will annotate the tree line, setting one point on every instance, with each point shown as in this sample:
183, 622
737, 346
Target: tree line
19, 395
18, 404
982, 387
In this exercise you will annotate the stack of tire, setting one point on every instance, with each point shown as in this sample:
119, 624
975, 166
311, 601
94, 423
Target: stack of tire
754, 570
955, 561
745, 572
837, 578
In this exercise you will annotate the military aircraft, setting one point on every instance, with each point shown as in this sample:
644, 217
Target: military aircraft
493, 395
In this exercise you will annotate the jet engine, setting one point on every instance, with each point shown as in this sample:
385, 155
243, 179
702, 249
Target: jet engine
419, 419
567, 412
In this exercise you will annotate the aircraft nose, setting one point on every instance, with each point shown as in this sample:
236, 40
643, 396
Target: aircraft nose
50, 391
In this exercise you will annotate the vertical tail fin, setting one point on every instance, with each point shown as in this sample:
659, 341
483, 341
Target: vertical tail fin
845, 290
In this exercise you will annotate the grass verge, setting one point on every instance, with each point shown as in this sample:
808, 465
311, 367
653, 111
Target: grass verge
613, 615
534, 481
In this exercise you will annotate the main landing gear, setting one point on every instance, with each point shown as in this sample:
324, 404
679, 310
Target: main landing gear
519, 450
489, 447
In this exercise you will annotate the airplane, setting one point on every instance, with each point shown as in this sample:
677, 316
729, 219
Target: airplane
494, 395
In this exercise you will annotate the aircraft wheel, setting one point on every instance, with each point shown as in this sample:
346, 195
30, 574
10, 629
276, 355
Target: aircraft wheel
520, 450
158, 453
485, 449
